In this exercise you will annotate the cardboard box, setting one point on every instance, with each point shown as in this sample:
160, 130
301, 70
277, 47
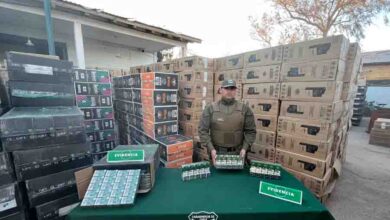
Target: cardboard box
150, 98
306, 128
261, 91
124, 94
348, 91
37, 68
102, 146
32, 94
263, 106
11, 200
266, 122
194, 63
86, 101
98, 125
150, 68
229, 62
148, 167
333, 47
265, 138
45, 161
189, 129
316, 185
218, 95
196, 76
317, 111
196, 105
88, 88
106, 135
98, 113
161, 129
311, 166
137, 69
322, 70
160, 113
175, 147
156, 80
189, 116
57, 208
235, 75
354, 62
177, 163
259, 152
48, 188
322, 91
262, 57
261, 74
6, 169
91, 75
195, 90
304, 146
167, 66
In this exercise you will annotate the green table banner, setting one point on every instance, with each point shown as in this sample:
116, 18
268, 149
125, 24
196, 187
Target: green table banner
117, 156
281, 192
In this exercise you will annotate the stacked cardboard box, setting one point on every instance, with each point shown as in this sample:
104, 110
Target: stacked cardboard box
94, 94
380, 132
146, 109
44, 132
196, 79
312, 120
261, 88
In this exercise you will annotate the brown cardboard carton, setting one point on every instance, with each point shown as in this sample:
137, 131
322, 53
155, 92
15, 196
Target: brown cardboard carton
318, 111
261, 91
263, 106
197, 104
304, 146
316, 185
83, 178
195, 90
333, 47
322, 91
306, 128
137, 69
167, 66
348, 91
189, 129
259, 152
229, 62
322, 70
235, 74
311, 166
177, 163
217, 92
354, 62
267, 56
265, 138
189, 115
266, 122
194, 63
260, 74
192, 76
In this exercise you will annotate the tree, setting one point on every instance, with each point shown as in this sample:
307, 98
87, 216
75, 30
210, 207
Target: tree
295, 20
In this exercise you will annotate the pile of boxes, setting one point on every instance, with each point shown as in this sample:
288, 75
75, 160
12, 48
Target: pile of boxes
146, 110
380, 132
196, 79
94, 98
317, 85
44, 132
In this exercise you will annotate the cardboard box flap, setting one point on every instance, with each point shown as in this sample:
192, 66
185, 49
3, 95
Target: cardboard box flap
83, 178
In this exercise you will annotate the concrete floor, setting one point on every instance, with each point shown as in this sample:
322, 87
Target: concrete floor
363, 190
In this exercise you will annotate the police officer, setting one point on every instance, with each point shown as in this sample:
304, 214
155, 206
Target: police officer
227, 126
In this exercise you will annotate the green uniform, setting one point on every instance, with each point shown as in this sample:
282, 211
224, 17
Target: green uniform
227, 124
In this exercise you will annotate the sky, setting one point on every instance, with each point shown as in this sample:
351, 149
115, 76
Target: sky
223, 26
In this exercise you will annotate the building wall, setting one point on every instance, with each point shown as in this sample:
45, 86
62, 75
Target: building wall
98, 54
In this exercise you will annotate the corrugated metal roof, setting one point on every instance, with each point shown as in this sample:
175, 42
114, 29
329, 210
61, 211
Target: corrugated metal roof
376, 57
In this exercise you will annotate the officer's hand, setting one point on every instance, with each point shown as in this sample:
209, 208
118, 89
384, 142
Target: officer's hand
242, 153
213, 155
